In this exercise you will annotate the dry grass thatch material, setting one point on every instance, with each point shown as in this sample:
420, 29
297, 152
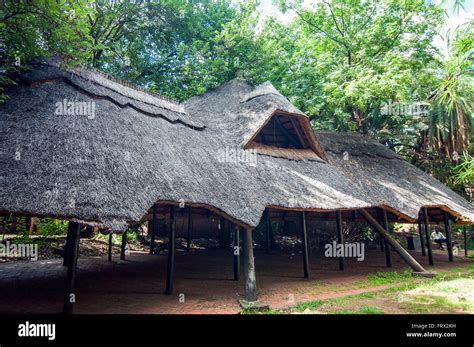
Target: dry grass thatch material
390, 180
138, 149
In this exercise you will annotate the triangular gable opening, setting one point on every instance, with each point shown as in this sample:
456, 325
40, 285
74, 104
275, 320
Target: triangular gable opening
287, 135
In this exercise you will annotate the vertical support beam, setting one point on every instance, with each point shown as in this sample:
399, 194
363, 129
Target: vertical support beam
221, 233
4, 227
268, 230
110, 245
427, 235
466, 253
447, 230
381, 242
190, 228
249, 267
69, 297
304, 243
422, 238
340, 237
225, 233
388, 254
124, 245
236, 252
171, 251
67, 246
152, 230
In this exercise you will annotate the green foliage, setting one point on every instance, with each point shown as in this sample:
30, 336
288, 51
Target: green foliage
464, 171
51, 227
450, 118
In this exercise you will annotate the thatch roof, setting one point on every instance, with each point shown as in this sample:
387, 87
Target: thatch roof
390, 180
139, 149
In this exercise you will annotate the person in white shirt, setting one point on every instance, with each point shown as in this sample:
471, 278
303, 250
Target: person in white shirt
438, 237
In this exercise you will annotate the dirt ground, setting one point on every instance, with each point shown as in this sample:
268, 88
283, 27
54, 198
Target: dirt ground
203, 282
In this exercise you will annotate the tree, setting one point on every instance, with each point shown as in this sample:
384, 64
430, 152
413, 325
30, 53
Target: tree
450, 119
358, 56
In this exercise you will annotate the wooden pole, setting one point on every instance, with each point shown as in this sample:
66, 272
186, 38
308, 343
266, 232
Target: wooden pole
447, 230
236, 252
400, 250
6, 219
422, 238
304, 243
190, 226
69, 298
249, 267
124, 245
268, 231
340, 237
427, 235
110, 245
388, 253
381, 242
171, 251
67, 246
154, 222
466, 253
225, 232
221, 233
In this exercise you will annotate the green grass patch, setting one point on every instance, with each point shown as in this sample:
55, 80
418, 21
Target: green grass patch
431, 304
255, 311
408, 282
309, 304
457, 269
365, 309
381, 278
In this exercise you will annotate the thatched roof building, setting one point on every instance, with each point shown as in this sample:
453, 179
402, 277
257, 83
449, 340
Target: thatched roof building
79, 145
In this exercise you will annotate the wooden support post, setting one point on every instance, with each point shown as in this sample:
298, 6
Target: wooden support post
236, 252
190, 227
466, 253
272, 238
152, 230
427, 235
171, 251
67, 246
110, 245
249, 267
340, 237
124, 245
4, 227
268, 228
225, 233
388, 253
69, 296
400, 250
304, 243
381, 242
221, 233
447, 230
422, 238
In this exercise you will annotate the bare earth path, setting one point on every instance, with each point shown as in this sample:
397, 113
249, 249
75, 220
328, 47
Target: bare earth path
203, 282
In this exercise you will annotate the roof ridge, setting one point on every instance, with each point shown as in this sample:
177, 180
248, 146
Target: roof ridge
128, 84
